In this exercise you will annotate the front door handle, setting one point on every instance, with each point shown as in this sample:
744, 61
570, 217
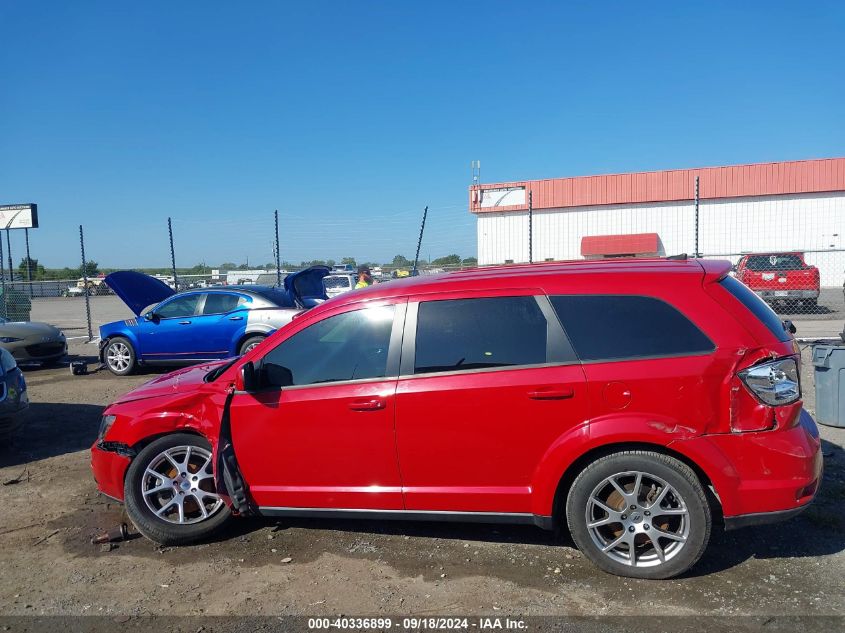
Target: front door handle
368, 404
184, 322
236, 318
560, 393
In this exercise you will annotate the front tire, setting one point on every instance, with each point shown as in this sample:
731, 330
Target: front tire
639, 514
170, 492
250, 343
119, 356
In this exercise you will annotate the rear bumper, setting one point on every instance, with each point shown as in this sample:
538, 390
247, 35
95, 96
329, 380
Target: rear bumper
760, 477
788, 294
762, 518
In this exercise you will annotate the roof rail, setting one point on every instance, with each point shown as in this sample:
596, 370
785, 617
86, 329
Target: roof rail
682, 256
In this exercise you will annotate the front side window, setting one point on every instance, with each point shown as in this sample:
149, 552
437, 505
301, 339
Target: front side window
179, 307
348, 346
463, 334
616, 327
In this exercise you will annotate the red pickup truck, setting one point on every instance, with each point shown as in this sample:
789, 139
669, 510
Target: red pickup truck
780, 276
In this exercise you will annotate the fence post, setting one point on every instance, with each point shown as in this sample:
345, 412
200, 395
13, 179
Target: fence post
85, 281
3, 281
11, 265
697, 253
172, 256
419, 242
530, 227
278, 258
28, 263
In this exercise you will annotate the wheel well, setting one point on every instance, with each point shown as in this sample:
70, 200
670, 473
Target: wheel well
247, 335
143, 443
565, 483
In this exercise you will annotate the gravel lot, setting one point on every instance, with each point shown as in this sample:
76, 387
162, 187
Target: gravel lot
343, 567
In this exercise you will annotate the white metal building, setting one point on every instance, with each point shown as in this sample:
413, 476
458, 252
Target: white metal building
789, 206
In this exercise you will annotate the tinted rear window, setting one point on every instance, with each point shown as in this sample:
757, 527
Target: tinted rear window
758, 307
774, 262
616, 327
464, 334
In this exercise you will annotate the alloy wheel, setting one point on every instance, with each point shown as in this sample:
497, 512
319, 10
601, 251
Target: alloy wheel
119, 356
178, 485
637, 519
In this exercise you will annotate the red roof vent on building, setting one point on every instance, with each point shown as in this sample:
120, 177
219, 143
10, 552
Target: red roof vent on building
634, 245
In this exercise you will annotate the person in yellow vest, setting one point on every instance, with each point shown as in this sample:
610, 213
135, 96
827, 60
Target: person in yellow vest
364, 277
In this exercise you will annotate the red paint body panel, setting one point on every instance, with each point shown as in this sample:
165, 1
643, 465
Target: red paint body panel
473, 441
478, 441
763, 179
633, 244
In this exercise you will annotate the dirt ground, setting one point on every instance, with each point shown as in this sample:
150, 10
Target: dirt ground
48, 565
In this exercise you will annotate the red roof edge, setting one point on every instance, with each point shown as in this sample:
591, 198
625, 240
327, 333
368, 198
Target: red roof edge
735, 181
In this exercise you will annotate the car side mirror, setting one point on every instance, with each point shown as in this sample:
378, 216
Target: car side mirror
249, 377
152, 316
789, 326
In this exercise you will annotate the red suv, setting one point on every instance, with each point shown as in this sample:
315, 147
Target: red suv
636, 402
780, 277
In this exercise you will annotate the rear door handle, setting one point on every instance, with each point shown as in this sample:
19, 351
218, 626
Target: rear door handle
368, 404
560, 393
236, 318
184, 322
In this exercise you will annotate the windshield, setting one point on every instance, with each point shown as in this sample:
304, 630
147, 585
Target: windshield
215, 373
774, 262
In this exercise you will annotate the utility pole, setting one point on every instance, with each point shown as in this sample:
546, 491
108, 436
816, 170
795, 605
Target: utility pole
172, 256
28, 262
9, 248
419, 242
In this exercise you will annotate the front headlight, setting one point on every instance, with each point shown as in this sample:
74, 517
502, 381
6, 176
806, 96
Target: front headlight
105, 425
774, 383
9, 339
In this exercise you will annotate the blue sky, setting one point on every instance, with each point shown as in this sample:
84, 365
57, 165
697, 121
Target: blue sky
350, 117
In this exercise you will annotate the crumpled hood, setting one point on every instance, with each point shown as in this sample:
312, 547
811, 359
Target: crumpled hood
176, 382
138, 290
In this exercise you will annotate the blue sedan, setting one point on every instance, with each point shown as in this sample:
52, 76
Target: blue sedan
199, 325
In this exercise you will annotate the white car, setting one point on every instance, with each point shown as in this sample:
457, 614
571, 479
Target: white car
336, 284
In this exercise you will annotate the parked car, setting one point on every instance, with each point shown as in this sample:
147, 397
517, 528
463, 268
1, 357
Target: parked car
635, 402
199, 325
780, 276
336, 284
30, 341
74, 291
14, 400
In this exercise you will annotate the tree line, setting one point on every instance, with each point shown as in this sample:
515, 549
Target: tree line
37, 271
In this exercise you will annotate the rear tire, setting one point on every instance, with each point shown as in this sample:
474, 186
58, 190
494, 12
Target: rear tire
119, 356
639, 514
251, 342
178, 504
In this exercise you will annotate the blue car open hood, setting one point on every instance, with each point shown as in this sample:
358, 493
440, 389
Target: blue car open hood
305, 287
137, 289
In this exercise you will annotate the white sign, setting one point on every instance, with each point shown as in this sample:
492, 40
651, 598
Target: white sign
19, 216
505, 197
